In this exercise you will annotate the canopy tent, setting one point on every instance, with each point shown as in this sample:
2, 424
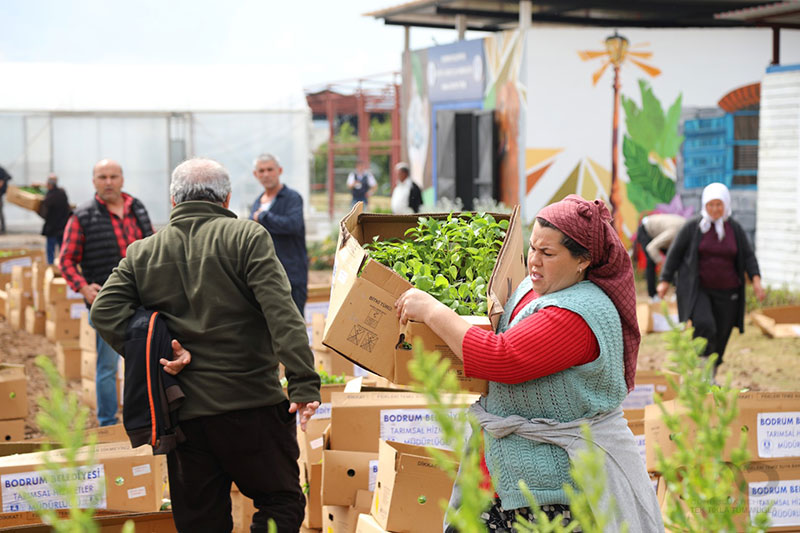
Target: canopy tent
62, 118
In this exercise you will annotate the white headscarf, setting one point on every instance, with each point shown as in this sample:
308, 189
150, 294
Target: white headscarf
715, 191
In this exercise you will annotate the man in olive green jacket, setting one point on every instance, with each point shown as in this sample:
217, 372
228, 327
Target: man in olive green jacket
227, 302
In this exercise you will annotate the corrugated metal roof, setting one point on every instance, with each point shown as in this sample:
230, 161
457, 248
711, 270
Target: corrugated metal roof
504, 14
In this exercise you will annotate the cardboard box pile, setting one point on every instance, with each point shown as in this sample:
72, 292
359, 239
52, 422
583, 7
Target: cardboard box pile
771, 421
17, 257
778, 322
362, 324
63, 307
13, 401
117, 478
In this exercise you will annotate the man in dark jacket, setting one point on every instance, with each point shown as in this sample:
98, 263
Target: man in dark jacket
224, 296
4, 179
95, 239
280, 210
55, 211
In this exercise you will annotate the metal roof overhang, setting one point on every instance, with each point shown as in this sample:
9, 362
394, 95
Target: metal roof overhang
497, 15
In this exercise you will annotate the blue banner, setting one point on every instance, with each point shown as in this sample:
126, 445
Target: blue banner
456, 71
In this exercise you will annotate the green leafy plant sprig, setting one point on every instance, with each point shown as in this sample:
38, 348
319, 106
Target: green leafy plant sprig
451, 259
705, 493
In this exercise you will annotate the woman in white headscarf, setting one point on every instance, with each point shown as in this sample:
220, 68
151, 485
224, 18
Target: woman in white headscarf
710, 256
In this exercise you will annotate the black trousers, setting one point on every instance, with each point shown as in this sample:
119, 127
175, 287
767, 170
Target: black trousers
650, 269
257, 449
714, 316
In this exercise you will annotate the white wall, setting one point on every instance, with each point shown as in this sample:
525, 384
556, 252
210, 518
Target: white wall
565, 111
778, 213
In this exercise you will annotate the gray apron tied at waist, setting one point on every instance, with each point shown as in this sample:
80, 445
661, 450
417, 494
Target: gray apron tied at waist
626, 477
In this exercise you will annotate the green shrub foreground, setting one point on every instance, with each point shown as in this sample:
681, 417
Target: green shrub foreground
704, 492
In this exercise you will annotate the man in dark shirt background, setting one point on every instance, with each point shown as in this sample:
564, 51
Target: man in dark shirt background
55, 211
4, 179
280, 210
95, 240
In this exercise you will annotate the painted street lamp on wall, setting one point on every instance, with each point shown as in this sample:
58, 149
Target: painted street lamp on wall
616, 53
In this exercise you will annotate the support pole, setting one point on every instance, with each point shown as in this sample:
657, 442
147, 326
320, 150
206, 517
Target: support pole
461, 26
776, 46
331, 134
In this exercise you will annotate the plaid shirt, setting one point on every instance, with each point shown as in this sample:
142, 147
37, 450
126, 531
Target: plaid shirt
126, 229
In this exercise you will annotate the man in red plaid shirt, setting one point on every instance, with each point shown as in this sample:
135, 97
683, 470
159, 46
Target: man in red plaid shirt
95, 240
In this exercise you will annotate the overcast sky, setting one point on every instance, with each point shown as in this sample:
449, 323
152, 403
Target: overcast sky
324, 40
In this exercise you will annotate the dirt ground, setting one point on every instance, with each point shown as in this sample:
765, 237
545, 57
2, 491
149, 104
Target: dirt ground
755, 361
21, 347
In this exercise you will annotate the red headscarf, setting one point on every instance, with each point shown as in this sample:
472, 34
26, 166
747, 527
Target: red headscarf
588, 224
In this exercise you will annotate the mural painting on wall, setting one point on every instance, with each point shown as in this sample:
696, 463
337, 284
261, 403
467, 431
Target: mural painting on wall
466, 75
418, 117
617, 51
505, 94
650, 147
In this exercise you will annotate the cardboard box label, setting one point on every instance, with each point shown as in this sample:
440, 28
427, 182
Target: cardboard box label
140, 470
323, 412
72, 295
7, 265
786, 498
138, 492
414, 426
75, 310
641, 396
91, 491
315, 307
373, 474
779, 434
359, 372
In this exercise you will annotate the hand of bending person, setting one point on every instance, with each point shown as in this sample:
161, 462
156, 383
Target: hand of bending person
420, 306
416, 305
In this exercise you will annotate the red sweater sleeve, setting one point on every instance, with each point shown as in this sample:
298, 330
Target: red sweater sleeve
72, 254
544, 343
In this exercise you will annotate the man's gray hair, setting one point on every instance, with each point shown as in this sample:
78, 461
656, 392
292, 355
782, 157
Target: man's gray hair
264, 158
200, 179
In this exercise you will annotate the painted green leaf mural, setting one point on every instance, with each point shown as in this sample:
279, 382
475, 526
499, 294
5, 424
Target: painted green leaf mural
651, 136
649, 127
648, 185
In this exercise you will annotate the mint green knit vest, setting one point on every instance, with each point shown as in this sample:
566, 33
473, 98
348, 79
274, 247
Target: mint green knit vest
578, 392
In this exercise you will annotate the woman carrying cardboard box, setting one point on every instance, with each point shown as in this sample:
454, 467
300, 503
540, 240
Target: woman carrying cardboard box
564, 354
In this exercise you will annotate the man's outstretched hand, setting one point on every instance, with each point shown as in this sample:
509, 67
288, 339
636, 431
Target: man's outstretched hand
306, 410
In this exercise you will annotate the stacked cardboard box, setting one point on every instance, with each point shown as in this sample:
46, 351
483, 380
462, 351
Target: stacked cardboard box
63, 307
13, 402
117, 478
4, 299
771, 423
34, 321
371, 433
16, 257
20, 295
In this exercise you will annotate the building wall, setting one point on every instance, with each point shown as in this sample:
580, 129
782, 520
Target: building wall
568, 119
778, 213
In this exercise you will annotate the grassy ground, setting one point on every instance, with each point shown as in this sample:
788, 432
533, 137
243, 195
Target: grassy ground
754, 360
